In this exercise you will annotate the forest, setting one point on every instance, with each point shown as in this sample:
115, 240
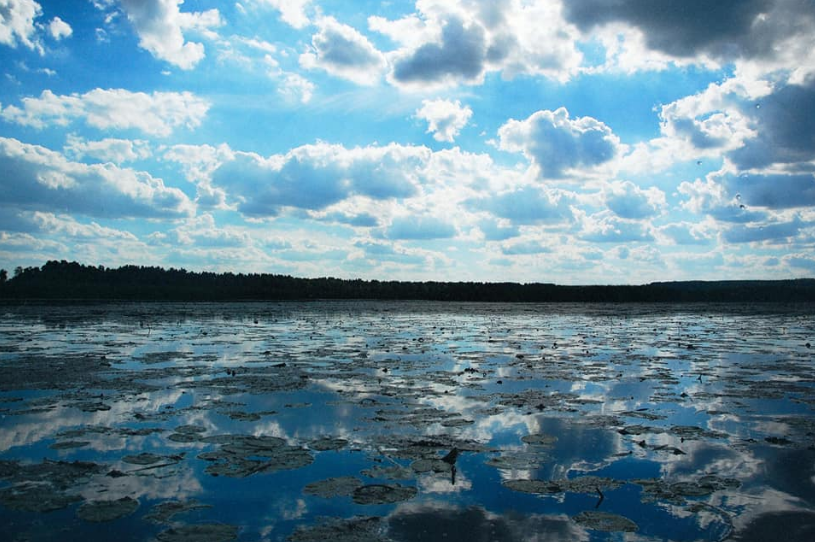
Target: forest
62, 280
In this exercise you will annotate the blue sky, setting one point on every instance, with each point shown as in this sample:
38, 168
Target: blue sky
577, 142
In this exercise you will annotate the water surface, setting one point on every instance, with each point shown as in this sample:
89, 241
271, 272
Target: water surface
307, 421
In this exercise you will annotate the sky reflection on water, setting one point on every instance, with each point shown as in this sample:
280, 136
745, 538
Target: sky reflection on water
696, 422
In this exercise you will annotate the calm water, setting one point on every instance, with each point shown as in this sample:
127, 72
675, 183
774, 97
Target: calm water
330, 420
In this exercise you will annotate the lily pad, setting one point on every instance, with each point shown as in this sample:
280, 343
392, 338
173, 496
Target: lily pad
395, 472
240, 456
69, 444
35, 497
333, 487
605, 521
431, 465
144, 458
383, 493
102, 511
165, 511
204, 532
539, 440
327, 443
360, 529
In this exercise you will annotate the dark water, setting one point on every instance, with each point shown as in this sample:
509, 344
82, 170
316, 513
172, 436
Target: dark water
571, 422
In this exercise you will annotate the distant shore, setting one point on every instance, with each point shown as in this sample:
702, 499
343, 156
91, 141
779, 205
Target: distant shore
73, 281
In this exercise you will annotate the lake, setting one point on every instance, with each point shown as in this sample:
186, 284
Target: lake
402, 421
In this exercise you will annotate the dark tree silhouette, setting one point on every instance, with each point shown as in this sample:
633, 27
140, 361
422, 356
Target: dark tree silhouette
71, 280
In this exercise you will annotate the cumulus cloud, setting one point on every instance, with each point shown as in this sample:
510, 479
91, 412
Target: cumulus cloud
522, 248
292, 12
725, 30
419, 227
495, 230
59, 29
526, 205
295, 87
156, 114
460, 41
627, 200
17, 23
161, 27
773, 191
344, 52
559, 145
772, 232
38, 178
687, 233
604, 227
312, 177
380, 252
113, 150
445, 118
460, 55
711, 197
784, 126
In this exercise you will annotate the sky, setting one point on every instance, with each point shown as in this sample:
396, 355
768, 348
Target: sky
574, 142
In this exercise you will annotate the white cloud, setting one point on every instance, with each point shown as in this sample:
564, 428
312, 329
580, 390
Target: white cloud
604, 227
292, 12
59, 29
313, 177
295, 87
17, 23
558, 145
344, 52
419, 227
155, 114
445, 118
526, 205
38, 178
448, 43
113, 150
161, 27
758, 35
627, 200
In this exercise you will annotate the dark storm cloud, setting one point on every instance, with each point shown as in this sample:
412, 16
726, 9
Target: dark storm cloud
774, 191
785, 125
461, 54
682, 28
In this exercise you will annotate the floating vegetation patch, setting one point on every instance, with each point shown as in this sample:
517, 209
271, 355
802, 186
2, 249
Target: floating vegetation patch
166, 511
659, 490
68, 444
144, 458
102, 511
691, 432
539, 440
605, 521
333, 487
383, 493
582, 484
204, 532
358, 529
431, 465
394, 472
36, 497
241, 455
325, 444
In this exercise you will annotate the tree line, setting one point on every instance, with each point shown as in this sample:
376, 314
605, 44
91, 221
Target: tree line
71, 280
